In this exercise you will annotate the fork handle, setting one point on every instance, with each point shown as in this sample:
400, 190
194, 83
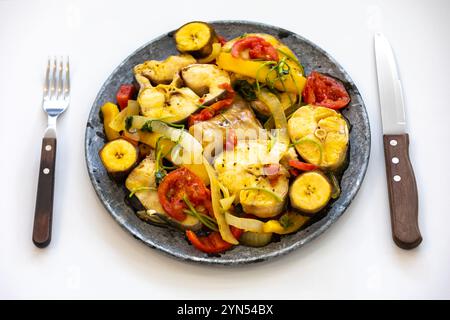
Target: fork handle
42, 230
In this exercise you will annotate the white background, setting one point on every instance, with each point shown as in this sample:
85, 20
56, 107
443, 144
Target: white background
92, 257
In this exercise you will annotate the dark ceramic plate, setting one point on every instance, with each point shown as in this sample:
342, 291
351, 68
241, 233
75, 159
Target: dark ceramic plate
173, 242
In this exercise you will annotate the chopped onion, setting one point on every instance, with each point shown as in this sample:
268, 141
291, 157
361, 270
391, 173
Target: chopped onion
246, 224
224, 228
226, 203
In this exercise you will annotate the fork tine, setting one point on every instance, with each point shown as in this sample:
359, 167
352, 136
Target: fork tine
60, 78
67, 81
53, 79
47, 80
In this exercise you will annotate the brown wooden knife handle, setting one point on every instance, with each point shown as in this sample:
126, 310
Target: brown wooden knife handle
402, 188
42, 230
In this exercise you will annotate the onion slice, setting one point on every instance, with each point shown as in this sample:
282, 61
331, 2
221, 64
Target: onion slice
246, 224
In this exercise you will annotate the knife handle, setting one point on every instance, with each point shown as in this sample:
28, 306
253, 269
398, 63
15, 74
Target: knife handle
402, 188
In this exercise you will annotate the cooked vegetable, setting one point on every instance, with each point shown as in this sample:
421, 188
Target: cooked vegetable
246, 224
335, 184
270, 124
207, 81
203, 218
282, 49
126, 92
130, 137
109, 112
166, 146
163, 72
288, 223
277, 112
119, 157
118, 123
142, 183
255, 239
195, 38
268, 72
310, 192
224, 229
287, 99
216, 49
178, 185
212, 243
303, 166
254, 47
309, 123
227, 202
322, 90
173, 132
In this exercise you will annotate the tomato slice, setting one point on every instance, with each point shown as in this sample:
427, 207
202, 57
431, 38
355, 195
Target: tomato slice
322, 90
126, 92
258, 48
212, 243
182, 183
303, 166
215, 108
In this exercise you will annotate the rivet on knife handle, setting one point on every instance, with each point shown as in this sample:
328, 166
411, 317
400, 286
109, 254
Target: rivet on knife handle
402, 187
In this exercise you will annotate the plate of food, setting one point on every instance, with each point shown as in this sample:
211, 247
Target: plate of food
227, 142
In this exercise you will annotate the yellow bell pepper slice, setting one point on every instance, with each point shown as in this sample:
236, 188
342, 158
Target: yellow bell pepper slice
296, 221
294, 82
109, 112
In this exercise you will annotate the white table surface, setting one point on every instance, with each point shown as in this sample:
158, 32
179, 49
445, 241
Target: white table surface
92, 257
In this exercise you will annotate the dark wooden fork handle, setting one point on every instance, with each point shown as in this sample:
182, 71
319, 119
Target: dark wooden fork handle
42, 230
402, 188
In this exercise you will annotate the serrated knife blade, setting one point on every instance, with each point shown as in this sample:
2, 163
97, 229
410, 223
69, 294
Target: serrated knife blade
402, 188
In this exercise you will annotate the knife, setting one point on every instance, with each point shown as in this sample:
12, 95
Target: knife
401, 182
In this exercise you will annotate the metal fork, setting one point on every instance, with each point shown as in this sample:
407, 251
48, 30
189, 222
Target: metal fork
55, 101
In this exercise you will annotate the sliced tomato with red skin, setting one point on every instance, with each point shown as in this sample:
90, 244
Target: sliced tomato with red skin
257, 47
215, 108
126, 92
303, 166
322, 90
182, 183
212, 243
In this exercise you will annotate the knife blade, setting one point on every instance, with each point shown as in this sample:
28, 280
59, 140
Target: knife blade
402, 187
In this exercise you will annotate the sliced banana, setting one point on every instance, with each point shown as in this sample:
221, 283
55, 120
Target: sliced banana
310, 192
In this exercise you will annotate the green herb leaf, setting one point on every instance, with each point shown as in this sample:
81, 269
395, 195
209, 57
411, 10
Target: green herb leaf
206, 220
159, 176
128, 122
140, 189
